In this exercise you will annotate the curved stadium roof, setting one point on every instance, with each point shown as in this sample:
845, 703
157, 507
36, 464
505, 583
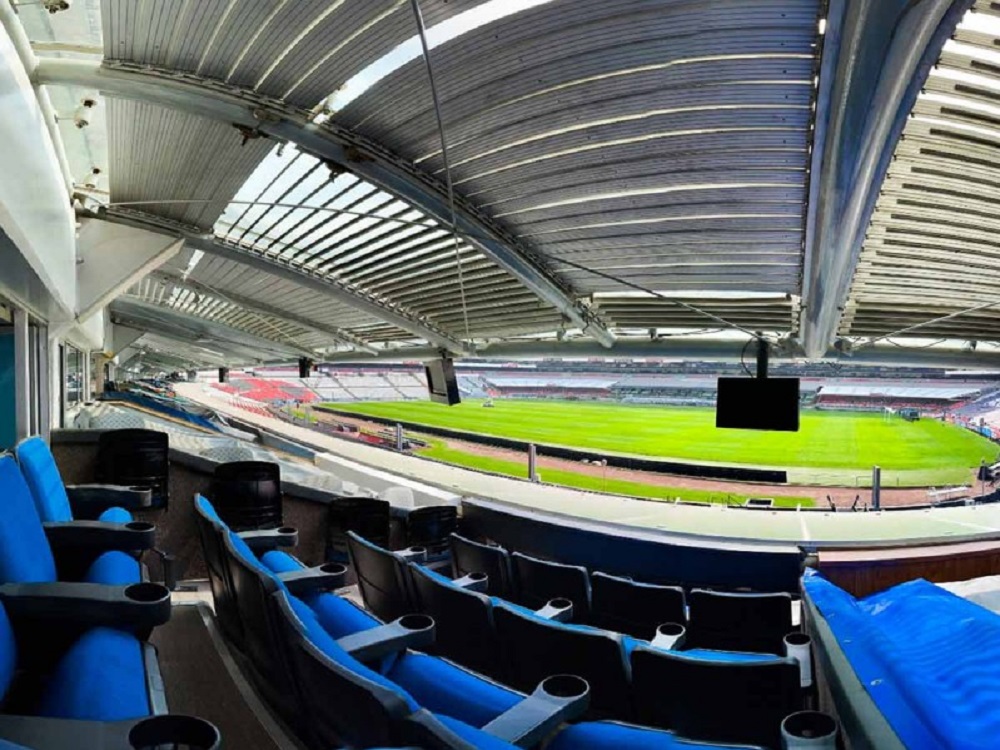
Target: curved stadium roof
604, 171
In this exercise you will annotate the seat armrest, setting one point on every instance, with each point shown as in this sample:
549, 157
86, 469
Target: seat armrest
70, 734
558, 609
268, 539
91, 499
323, 577
670, 636
409, 631
556, 700
412, 554
137, 608
99, 536
473, 582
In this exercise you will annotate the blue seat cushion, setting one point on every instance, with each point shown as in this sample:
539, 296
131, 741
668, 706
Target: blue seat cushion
42, 475
338, 616
25, 555
114, 568
610, 735
115, 515
475, 737
442, 687
101, 677
326, 644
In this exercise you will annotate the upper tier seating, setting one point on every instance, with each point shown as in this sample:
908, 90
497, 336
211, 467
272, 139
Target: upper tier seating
634, 608
538, 581
53, 498
468, 556
738, 621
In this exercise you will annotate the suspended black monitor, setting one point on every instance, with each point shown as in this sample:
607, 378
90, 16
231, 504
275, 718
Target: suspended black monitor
758, 404
441, 381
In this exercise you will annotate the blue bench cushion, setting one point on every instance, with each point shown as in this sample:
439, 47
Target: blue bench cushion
114, 568
475, 737
25, 555
42, 475
338, 616
442, 687
101, 677
115, 515
328, 646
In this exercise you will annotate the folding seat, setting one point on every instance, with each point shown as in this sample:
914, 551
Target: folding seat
31, 552
464, 621
715, 695
537, 581
633, 608
368, 517
737, 621
56, 501
383, 578
101, 691
534, 647
136, 458
468, 557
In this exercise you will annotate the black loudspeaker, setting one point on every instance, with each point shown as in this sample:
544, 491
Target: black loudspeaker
305, 367
223, 374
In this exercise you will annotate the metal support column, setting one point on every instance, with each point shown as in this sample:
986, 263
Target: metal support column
532, 462
399, 437
876, 488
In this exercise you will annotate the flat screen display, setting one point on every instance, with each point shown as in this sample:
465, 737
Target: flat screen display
758, 404
442, 385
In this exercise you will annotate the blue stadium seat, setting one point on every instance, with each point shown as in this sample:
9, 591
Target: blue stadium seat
50, 493
383, 578
538, 581
468, 556
26, 555
730, 621
633, 608
211, 530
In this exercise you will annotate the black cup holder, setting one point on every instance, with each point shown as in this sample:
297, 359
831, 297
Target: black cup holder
174, 731
287, 530
336, 569
147, 592
809, 725
797, 639
670, 629
477, 576
139, 526
416, 622
560, 603
565, 686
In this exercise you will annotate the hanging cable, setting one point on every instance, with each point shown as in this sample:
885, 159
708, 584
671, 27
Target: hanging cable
422, 30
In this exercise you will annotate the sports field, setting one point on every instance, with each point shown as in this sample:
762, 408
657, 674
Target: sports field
835, 448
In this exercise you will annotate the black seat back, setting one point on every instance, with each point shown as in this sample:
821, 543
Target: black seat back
430, 525
738, 622
463, 621
136, 458
534, 649
342, 707
367, 517
247, 494
739, 702
383, 579
468, 556
254, 591
633, 608
219, 578
537, 581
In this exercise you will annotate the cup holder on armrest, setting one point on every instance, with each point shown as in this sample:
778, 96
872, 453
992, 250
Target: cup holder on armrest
669, 636
409, 631
473, 582
416, 623
558, 609
334, 569
556, 700
174, 731
564, 686
147, 593
325, 577
143, 526
809, 730
799, 647
413, 554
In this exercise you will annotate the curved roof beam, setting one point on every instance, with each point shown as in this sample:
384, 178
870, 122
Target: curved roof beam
876, 58
334, 144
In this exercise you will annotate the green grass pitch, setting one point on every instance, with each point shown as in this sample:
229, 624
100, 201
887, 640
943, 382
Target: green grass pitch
830, 448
